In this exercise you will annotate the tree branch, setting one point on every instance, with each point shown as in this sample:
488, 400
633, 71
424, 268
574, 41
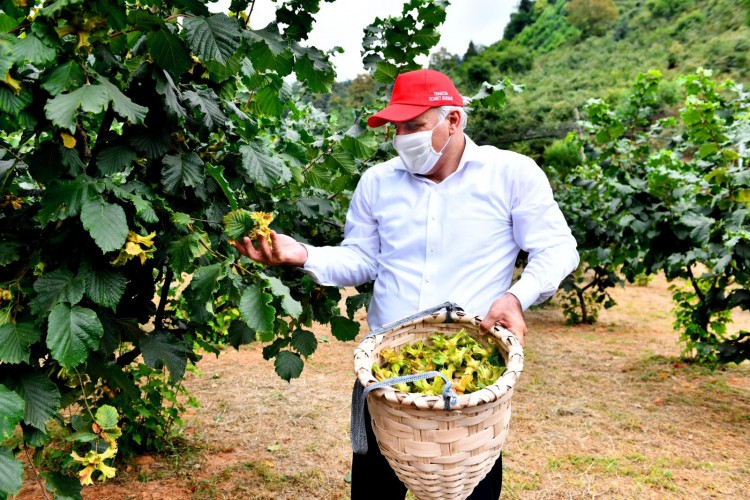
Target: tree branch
159, 319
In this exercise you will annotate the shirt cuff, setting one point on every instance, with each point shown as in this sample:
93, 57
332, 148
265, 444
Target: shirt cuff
310, 265
527, 290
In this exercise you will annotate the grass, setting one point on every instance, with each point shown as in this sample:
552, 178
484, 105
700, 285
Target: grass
589, 420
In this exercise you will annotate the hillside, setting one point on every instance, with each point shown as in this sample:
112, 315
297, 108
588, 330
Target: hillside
561, 66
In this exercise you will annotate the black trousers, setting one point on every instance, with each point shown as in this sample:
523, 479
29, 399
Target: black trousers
373, 478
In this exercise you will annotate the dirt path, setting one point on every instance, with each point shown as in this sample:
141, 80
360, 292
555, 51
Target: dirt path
600, 411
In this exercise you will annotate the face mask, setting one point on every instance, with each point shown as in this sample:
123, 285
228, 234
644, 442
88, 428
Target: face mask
416, 150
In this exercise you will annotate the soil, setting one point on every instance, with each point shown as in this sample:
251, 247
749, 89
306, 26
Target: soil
606, 410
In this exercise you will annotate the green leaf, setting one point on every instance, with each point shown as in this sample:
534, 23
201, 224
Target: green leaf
742, 196
63, 486
42, 398
71, 333
11, 412
708, 149
279, 289
257, 311
270, 38
13, 104
217, 174
204, 283
238, 223
214, 39
319, 176
33, 50
152, 142
106, 223
54, 8
240, 334
304, 342
114, 159
15, 339
145, 20
207, 102
312, 69
168, 51
362, 147
491, 96
106, 416
385, 72
183, 251
62, 199
181, 219
160, 349
144, 209
261, 167
11, 473
288, 365
7, 23
103, 286
166, 87
701, 227
343, 328
341, 160
122, 104
270, 100
7, 59
182, 170
55, 287
61, 109
65, 77
9, 253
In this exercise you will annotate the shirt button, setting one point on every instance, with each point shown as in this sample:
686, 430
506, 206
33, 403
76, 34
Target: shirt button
427, 279
432, 249
434, 217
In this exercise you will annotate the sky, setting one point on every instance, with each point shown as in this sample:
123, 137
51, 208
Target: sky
342, 23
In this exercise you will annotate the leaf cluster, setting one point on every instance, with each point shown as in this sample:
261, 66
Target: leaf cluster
669, 194
129, 131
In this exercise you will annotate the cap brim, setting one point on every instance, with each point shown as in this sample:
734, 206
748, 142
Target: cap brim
396, 113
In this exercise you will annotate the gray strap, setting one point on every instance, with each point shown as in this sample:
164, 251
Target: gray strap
448, 306
359, 399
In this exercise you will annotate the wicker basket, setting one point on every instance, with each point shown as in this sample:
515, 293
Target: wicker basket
440, 454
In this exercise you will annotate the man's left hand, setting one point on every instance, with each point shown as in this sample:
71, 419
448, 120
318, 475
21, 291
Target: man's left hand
508, 313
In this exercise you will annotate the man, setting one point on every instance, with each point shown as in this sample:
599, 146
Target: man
443, 221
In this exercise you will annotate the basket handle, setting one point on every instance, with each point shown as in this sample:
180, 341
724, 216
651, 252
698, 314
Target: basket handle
359, 399
448, 306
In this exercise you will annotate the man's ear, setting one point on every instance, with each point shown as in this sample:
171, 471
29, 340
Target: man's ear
454, 118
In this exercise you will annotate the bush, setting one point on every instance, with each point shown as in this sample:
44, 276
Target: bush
562, 156
511, 59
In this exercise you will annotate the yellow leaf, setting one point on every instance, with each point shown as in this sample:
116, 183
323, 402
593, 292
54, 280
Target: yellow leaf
86, 475
143, 240
65, 30
13, 83
83, 41
133, 248
68, 140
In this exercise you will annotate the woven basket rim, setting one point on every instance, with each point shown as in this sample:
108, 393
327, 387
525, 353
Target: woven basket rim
506, 341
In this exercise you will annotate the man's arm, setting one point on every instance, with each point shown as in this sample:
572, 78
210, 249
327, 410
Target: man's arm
351, 263
540, 229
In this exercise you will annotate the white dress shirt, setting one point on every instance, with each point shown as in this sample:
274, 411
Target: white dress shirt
425, 243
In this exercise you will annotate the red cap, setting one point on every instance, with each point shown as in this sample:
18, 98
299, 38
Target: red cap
414, 93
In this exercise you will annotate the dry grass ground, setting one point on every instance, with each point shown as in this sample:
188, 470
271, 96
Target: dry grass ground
601, 411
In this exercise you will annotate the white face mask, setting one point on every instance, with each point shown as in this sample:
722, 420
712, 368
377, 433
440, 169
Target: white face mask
416, 150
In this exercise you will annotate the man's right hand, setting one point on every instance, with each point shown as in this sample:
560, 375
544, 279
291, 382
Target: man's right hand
282, 250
